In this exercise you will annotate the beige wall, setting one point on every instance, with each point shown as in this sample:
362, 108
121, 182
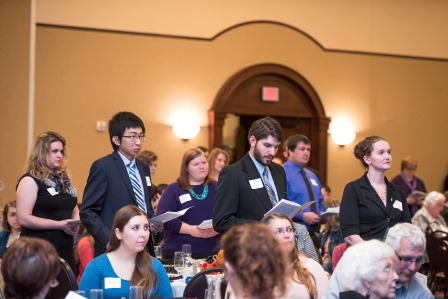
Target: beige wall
85, 76
15, 24
406, 27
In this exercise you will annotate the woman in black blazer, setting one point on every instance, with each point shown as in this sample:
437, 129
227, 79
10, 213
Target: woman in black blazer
371, 204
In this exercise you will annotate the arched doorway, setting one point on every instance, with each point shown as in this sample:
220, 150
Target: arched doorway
299, 109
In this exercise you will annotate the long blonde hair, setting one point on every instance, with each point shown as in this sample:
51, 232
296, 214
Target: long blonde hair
37, 163
212, 159
303, 275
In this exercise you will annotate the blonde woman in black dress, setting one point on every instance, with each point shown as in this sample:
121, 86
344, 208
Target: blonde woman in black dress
46, 198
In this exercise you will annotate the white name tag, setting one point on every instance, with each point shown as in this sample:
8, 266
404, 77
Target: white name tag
112, 283
313, 181
148, 181
52, 191
398, 205
184, 198
256, 184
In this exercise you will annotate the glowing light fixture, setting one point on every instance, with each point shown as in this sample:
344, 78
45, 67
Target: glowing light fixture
185, 131
343, 138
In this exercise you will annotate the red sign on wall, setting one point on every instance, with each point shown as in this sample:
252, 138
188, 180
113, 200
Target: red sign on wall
269, 94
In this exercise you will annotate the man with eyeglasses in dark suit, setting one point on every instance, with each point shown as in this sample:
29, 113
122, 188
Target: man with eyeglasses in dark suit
117, 180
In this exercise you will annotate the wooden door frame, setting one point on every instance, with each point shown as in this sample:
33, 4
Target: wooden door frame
319, 121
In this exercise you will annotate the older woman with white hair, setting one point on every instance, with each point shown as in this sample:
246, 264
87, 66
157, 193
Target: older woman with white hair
366, 271
429, 214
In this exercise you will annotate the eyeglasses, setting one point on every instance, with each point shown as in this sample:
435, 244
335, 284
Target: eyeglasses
288, 230
133, 138
409, 260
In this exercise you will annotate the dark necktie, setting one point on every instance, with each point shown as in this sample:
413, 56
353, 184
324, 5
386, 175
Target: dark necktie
271, 192
136, 187
314, 227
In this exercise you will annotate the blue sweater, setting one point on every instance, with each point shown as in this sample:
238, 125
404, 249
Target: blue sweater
100, 269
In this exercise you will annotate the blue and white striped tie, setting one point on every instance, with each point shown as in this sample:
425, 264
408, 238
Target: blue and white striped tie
137, 188
268, 186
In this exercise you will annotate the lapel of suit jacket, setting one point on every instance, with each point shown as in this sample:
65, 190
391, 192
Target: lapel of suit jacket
252, 174
123, 172
371, 194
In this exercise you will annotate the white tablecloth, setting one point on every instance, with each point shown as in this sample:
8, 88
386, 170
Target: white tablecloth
178, 287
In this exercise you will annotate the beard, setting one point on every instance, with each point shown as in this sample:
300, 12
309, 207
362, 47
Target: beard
260, 158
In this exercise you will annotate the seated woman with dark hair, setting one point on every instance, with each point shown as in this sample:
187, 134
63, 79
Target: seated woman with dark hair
126, 262
331, 235
254, 263
10, 225
29, 269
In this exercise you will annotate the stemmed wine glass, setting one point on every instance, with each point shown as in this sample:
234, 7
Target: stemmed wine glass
178, 261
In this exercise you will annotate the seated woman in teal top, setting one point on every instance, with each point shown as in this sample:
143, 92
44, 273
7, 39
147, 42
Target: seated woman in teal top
126, 262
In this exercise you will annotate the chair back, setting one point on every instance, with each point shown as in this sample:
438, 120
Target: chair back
198, 284
434, 240
66, 279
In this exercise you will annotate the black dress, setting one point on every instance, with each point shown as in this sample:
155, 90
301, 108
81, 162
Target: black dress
55, 207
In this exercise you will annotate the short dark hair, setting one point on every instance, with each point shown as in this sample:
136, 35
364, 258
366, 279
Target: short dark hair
120, 122
296, 139
264, 127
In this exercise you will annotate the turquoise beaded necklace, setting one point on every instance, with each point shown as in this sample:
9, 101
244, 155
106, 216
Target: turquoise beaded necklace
199, 197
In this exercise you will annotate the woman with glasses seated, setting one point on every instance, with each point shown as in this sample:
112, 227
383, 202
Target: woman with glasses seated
195, 190
126, 262
29, 269
307, 278
365, 271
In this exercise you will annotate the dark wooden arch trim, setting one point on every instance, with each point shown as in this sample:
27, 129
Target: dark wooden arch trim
308, 106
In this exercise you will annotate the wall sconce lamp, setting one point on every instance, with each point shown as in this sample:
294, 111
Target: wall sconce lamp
343, 137
186, 132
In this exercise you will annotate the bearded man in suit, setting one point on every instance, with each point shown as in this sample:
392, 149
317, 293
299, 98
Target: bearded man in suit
250, 187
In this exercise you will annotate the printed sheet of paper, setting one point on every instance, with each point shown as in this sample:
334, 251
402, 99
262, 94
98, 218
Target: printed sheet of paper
165, 217
289, 208
330, 212
206, 224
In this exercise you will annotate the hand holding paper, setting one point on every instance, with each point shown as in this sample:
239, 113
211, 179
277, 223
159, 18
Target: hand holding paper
289, 208
165, 217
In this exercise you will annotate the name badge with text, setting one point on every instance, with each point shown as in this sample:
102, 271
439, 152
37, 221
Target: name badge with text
398, 205
148, 181
184, 198
256, 184
52, 191
112, 283
313, 181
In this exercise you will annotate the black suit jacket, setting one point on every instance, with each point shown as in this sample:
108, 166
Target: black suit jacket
107, 190
363, 213
236, 202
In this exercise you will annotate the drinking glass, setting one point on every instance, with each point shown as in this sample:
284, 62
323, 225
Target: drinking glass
136, 292
158, 252
80, 292
96, 294
178, 261
186, 249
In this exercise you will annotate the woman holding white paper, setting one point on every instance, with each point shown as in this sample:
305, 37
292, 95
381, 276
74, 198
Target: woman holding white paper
195, 190
46, 197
